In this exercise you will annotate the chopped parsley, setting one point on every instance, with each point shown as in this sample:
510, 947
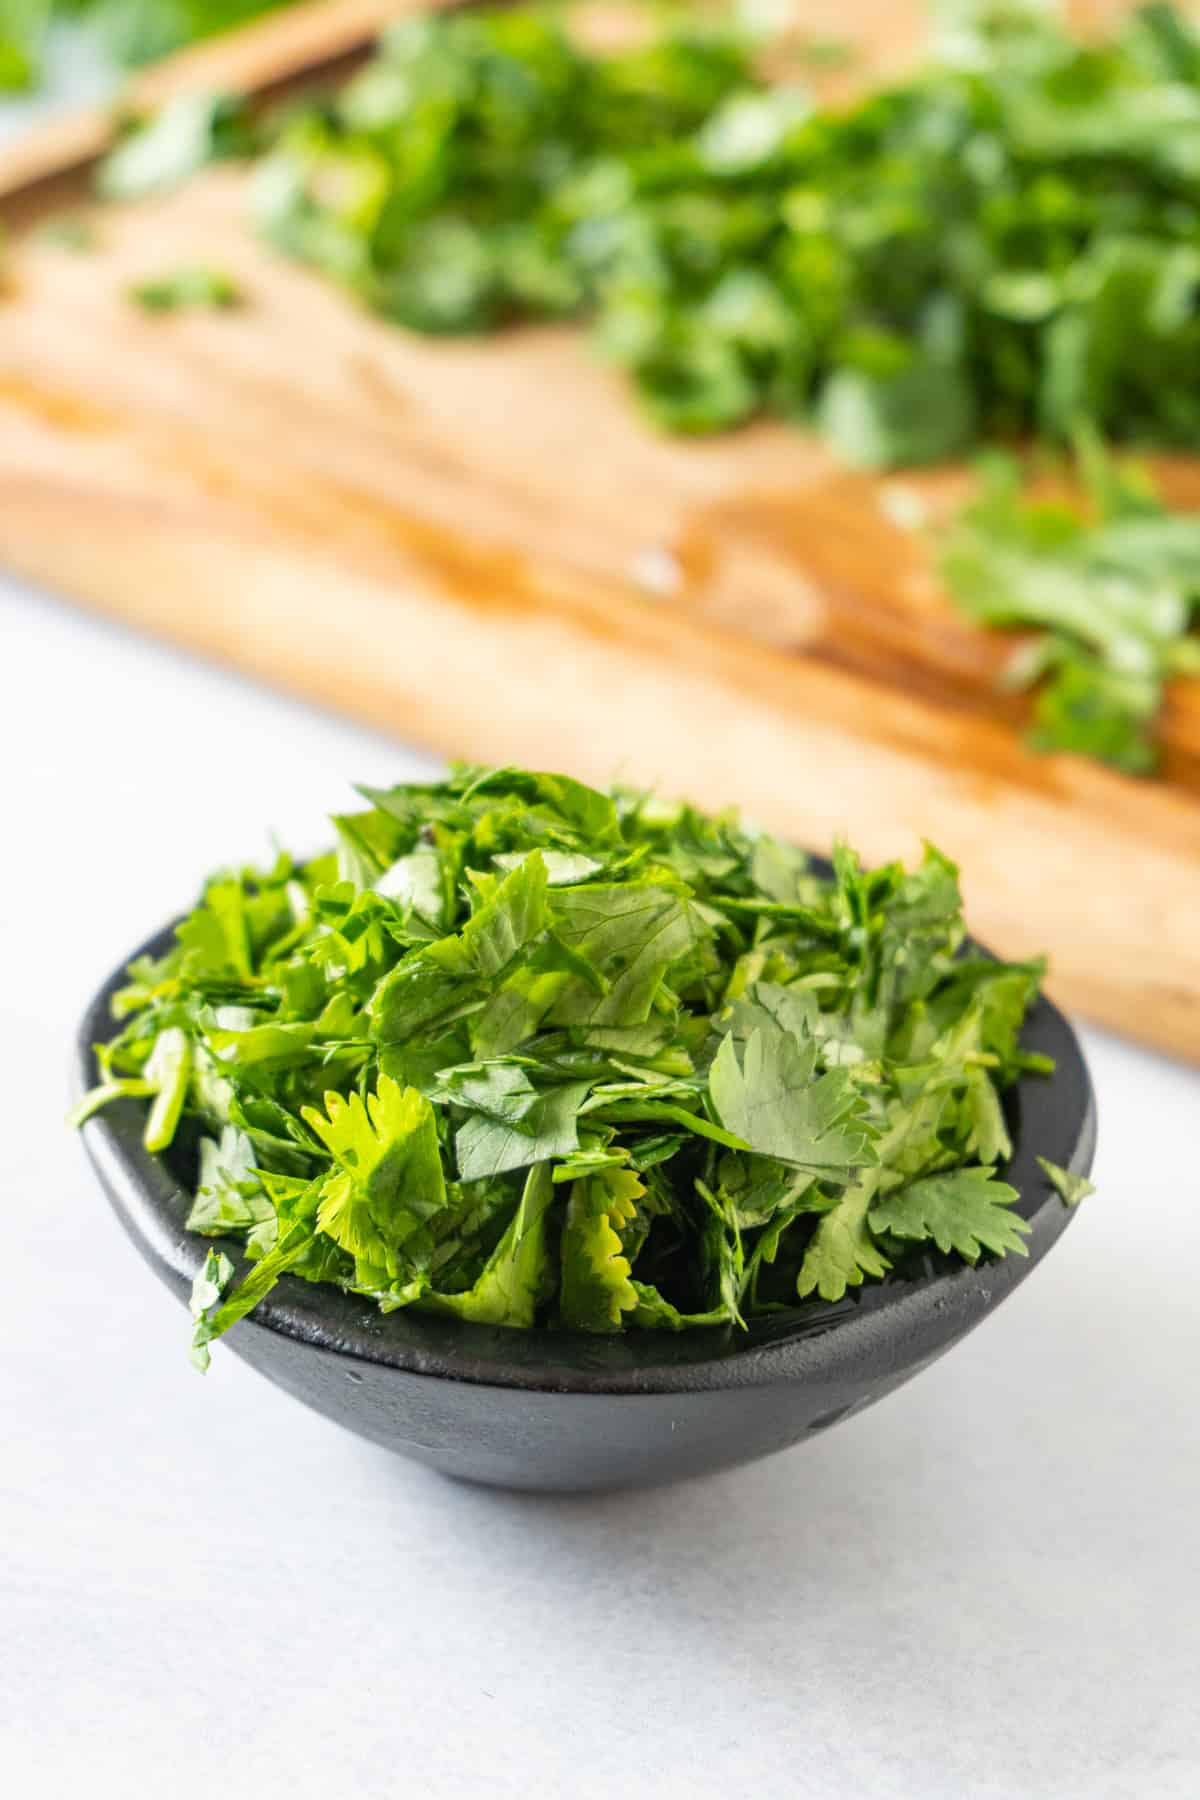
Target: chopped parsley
525, 1053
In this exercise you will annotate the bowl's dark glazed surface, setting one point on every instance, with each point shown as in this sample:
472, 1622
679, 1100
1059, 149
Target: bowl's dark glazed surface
561, 1411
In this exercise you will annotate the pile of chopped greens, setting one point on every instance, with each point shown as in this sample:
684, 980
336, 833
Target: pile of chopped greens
525, 1053
1109, 591
1008, 241
130, 31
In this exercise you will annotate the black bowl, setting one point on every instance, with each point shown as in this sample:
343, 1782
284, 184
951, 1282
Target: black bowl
564, 1410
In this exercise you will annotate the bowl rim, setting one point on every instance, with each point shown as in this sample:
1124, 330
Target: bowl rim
1055, 1117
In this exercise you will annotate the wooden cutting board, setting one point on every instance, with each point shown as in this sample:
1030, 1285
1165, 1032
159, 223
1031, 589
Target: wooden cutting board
480, 547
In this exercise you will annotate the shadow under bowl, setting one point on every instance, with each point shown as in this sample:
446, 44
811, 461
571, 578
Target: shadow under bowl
566, 1411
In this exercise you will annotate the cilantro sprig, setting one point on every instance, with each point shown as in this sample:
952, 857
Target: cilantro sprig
521, 1052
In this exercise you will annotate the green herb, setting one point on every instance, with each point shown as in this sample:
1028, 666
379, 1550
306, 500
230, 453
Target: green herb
522, 1052
23, 25
216, 1272
827, 52
1007, 241
131, 31
68, 231
195, 286
1073, 1188
157, 154
1110, 590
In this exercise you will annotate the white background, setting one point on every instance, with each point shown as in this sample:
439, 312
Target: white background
986, 1587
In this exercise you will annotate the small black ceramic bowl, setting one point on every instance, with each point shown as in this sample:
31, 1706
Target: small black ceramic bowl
564, 1410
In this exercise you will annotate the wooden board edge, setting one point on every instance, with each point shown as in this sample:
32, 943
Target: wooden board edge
720, 721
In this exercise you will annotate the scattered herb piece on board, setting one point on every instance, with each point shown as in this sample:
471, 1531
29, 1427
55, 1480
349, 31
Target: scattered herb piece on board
188, 287
156, 154
1006, 242
522, 1052
1109, 590
68, 231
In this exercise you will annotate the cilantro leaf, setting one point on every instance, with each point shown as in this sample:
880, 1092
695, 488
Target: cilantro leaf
966, 1211
654, 1313
772, 1101
229, 1196
843, 1252
632, 935
1112, 599
1073, 1188
596, 1289
388, 1176
514, 916
487, 1146
515, 1276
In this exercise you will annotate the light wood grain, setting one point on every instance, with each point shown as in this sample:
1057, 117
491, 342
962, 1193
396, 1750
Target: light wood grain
480, 547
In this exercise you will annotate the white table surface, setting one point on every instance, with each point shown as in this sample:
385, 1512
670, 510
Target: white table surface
986, 1587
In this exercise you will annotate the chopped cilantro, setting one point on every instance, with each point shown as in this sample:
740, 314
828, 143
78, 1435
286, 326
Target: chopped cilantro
521, 1052
1006, 241
1109, 590
156, 154
194, 286
1073, 1188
